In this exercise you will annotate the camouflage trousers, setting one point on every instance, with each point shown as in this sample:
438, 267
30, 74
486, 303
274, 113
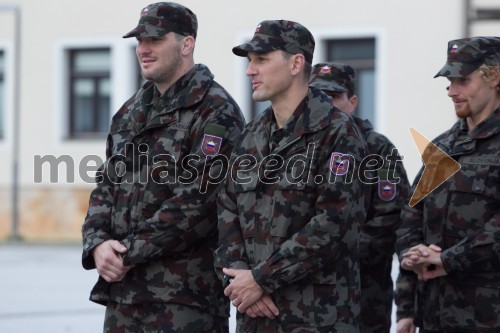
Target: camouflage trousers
376, 297
161, 318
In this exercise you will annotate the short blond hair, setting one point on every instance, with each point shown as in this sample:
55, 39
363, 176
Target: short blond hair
489, 73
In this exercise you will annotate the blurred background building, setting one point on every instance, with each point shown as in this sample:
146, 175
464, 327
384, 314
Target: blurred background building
65, 70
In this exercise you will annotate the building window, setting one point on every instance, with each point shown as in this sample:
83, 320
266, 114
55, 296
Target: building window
2, 93
89, 92
360, 54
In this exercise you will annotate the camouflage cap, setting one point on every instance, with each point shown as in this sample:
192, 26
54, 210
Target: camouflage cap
288, 36
333, 76
467, 54
160, 18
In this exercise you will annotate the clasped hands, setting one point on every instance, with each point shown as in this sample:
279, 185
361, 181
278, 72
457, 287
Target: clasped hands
425, 261
247, 296
109, 262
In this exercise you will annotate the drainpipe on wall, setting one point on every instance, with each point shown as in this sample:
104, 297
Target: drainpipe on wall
16, 77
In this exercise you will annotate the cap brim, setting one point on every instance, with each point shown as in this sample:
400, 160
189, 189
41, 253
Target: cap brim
243, 49
457, 69
132, 33
328, 85
146, 30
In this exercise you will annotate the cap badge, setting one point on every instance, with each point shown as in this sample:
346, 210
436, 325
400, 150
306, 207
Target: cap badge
454, 48
258, 28
325, 70
145, 11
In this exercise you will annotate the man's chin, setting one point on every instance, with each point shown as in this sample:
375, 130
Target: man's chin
462, 114
259, 98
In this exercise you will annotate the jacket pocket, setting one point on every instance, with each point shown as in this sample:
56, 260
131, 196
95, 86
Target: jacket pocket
312, 305
474, 179
294, 204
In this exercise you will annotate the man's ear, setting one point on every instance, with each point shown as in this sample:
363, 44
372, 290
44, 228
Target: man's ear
298, 62
188, 45
353, 101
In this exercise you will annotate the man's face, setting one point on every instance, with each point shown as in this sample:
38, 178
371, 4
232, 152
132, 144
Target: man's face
270, 74
159, 58
342, 102
473, 97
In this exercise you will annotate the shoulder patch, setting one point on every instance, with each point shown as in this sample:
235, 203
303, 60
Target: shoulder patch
212, 139
339, 163
387, 185
386, 190
211, 144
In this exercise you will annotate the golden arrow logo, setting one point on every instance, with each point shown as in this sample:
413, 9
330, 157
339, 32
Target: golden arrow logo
438, 167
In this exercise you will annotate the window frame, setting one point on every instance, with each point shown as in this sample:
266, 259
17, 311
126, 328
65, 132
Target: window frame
360, 65
96, 77
381, 58
122, 84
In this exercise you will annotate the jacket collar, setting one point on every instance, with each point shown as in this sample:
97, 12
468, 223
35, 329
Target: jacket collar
459, 139
488, 127
184, 93
313, 114
364, 124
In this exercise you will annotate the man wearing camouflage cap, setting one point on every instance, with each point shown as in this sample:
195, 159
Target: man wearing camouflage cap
450, 239
289, 214
151, 227
389, 194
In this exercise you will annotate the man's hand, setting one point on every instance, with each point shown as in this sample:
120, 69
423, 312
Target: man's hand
405, 325
264, 307
108, 261
243, 291
425, 261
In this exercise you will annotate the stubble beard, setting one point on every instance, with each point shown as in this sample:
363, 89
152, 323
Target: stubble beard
463, 112
165, 74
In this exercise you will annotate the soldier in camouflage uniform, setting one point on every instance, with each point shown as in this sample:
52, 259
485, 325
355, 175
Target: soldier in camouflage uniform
450, 239
151, 227
389, 194
290, 212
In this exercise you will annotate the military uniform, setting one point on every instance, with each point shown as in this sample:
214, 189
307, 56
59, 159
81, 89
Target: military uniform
388, 195
404, 297
167, 152
154, 193
461, 215
378, 234
295, 224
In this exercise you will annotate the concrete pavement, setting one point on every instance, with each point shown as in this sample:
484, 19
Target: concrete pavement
44, 289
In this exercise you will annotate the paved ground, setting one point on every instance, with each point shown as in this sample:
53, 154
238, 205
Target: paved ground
44, 289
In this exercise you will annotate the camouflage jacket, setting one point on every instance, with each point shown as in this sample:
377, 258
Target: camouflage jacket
404, 296
378, 233
389, 195
291, 211
154, 193
462, 216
